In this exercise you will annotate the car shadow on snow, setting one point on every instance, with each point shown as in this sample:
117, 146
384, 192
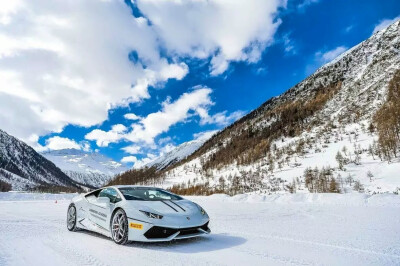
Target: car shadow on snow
199, 244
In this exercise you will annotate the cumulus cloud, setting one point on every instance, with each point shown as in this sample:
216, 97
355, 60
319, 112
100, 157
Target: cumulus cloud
103, 138
66, 62
328, 56
324, 56
156, 123
171, 113
129, 159
288, 45
226, 30
142, 134
132, 116
205, 134
221, 118
138, 163
133, 149
306, 3
59, 143
169, 147
70, 62
384, 23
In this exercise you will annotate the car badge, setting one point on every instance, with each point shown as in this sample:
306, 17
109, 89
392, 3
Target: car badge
187, 217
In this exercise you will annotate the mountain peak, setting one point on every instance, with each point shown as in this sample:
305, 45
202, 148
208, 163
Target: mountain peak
24, 168
90, 168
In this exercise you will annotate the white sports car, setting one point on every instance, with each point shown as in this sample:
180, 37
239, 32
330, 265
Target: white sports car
136, 213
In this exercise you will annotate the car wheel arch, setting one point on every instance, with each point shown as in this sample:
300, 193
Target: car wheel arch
112, 215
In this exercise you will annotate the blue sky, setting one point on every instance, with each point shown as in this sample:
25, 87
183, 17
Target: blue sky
304, 35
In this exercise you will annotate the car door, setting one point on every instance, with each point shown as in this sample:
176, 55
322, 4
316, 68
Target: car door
99, 211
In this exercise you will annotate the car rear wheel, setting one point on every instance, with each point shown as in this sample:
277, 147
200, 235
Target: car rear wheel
71, 218
119, 227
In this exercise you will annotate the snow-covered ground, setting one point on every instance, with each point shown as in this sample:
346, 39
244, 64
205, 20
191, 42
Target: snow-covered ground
299, 229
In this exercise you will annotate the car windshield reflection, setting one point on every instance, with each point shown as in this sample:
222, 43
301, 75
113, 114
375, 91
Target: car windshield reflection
147, 194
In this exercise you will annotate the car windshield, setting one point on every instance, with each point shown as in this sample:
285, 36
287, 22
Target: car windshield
147, 194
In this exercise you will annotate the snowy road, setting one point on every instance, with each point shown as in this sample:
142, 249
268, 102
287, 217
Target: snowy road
298, 230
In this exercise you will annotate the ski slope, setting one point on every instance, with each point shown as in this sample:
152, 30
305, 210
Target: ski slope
298, 229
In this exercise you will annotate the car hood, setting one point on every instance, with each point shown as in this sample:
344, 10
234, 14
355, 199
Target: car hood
165, 207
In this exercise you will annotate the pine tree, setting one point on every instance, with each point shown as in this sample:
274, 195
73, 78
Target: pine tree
340, 160
370, 176
333, 186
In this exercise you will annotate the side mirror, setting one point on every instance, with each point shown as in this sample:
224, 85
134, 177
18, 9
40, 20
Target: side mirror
104, 201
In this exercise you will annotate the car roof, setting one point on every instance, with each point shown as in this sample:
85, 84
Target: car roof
122, 186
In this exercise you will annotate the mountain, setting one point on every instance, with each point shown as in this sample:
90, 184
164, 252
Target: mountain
179, 153
336, 131
89, 168
23, 168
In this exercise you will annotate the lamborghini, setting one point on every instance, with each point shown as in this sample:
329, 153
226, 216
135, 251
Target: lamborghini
137, 213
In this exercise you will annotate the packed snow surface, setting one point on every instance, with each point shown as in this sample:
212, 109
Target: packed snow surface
298, 229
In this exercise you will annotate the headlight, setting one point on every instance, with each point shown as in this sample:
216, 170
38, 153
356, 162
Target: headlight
152, 215
203, 212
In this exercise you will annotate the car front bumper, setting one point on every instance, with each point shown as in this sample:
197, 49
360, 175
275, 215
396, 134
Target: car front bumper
147, 232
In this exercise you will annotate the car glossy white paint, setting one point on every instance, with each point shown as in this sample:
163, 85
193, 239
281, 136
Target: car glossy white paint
180, 218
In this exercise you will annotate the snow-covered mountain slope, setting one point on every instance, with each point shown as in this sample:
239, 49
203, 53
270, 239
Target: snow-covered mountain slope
179, 153
93, 169
319, 136
24, 168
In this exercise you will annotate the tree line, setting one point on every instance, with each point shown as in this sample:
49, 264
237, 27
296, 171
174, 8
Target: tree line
386, 121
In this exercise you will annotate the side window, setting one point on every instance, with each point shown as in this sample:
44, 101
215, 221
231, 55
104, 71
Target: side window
110, 193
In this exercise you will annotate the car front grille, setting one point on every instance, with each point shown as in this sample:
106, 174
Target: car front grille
165, 232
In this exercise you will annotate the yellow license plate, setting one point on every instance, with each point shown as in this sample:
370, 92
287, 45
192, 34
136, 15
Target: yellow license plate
136, 226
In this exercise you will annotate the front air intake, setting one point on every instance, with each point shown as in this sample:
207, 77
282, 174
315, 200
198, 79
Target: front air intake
165, 232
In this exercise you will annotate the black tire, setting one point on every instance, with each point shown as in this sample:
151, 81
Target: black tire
115, 230
71, 221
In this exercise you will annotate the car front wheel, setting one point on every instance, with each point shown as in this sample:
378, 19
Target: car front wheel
71, 217
119, 227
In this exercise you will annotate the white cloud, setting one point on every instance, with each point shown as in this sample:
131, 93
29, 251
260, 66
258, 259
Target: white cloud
323, 57
129, 159
226, 30
167, 148
86, 146
59, 143
138, 163
328, 56
162, 141
384, 23
288, 45
133, 149
131, 116
220, 118
205, 134
349, 28
159, 122
306, 3
66, 62
103, 138
156, 123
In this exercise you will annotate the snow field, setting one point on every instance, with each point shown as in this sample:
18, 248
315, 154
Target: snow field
299, 229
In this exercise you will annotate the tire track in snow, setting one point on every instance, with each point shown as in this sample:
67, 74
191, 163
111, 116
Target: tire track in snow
352, 249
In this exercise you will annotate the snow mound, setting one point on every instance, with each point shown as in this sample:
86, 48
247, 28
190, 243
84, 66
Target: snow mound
22, 196
350, 199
